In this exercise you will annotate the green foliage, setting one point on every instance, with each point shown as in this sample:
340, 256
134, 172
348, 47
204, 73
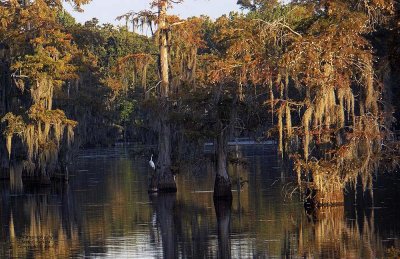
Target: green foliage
126, 109
66, 19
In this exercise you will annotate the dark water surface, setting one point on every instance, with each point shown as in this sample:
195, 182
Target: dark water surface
105, 212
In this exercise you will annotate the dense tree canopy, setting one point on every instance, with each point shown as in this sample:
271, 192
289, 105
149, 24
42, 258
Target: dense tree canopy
37, 58
319, 76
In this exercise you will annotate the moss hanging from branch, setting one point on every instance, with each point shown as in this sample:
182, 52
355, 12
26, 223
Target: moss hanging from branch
128, 68
306, 124
14, 125
41, 131
340, 143
288, 117
280, 129
185, 39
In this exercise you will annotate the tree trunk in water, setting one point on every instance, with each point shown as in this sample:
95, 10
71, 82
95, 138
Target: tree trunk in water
223, 212
222, 186
163, 181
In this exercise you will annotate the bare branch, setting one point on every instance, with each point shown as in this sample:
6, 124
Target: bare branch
278, 23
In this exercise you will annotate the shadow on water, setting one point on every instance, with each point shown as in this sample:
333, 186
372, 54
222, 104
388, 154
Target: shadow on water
106, 212
223, 213
164, 205
170, 224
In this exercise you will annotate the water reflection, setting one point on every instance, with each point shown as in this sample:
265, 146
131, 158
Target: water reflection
105, 212
327, 228
163, 206
38, 224
223, 213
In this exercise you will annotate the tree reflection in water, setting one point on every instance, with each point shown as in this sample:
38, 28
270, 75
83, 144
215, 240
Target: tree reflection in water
329, 234
105, 211
223, 212
38, 224
163, 205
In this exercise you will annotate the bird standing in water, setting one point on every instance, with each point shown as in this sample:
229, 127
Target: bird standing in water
151, 163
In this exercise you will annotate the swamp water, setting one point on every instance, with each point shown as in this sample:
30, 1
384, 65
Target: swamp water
106, 212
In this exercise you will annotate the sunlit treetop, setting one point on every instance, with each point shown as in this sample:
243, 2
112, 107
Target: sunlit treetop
374, 9
147, 18
54, 3
39, 46
158, 3
239, 54
257, 4
78, 3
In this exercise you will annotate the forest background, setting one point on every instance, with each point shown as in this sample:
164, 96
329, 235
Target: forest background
321, 77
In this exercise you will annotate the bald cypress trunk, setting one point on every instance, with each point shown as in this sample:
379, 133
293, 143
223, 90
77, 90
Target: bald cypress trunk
163, 181
164, 69
5, 86
222, 186
5, 78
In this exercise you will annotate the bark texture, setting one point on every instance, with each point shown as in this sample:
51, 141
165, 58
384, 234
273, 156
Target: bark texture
222, 186
163, 180
163, 49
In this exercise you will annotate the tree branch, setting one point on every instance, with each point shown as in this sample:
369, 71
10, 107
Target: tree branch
276, 23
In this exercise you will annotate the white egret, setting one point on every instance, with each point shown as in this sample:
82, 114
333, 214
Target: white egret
151, 163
